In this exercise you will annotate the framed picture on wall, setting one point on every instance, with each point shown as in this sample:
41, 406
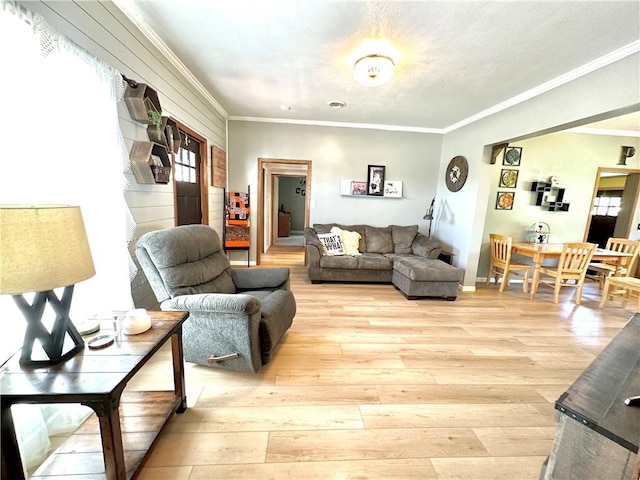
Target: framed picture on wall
512, 156
358, 188
375, 180
504, 200
393, 188
508, 178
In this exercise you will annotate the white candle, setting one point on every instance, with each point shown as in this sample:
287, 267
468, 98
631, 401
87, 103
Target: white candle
136, 321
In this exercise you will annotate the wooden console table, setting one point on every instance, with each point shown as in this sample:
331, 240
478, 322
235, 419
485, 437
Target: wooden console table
97, 378
598, 434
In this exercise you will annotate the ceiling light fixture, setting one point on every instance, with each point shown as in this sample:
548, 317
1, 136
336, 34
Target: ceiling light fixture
373, 62
373, 70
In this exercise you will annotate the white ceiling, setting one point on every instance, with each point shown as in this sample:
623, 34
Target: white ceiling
458, 59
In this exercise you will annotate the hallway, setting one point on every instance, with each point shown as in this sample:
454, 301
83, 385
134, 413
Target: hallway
295, 239
283, 255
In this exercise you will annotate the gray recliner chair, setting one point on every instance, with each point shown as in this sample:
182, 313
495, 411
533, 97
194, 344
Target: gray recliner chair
236, 316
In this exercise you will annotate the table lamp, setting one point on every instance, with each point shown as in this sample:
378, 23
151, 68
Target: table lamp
41, 248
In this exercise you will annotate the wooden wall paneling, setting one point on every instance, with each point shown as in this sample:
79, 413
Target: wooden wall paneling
153, 215
116, 40
216, 209
105, 32
218, 167
153, 197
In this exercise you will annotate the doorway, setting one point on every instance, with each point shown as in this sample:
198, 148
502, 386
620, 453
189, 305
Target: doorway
190, 179
290, 193
270, 172
615, 199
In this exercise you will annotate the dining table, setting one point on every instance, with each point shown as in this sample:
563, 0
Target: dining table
539, 252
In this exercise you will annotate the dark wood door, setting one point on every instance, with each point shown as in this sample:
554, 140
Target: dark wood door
187, 174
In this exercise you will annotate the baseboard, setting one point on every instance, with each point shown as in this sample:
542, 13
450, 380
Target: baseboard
242, 263
511, 280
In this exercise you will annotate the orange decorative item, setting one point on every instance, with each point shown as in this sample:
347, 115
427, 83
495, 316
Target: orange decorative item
237, 231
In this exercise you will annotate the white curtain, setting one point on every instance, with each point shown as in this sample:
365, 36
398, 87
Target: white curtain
61, 144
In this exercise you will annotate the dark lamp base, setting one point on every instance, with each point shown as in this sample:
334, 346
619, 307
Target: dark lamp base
52, 343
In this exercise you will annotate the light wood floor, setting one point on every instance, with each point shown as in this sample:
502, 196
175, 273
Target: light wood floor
367, 384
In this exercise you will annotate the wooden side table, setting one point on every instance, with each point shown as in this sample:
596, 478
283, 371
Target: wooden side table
97, 378
446, 257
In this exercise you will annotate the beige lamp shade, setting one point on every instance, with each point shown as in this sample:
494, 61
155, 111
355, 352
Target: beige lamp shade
42, 247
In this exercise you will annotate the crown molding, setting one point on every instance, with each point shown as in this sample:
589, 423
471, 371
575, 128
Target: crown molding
132, 12
370, 126
604, 131
129, 8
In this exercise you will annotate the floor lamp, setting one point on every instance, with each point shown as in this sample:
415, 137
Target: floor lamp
42, 248
429, 214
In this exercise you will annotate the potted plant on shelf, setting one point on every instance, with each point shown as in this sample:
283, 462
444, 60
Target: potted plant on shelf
156, 119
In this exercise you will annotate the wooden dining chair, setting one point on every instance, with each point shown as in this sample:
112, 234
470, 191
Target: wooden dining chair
622, 287
572, 266
609, 268
501, 263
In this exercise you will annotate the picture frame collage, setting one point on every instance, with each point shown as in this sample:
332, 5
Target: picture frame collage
376, 185
508, 178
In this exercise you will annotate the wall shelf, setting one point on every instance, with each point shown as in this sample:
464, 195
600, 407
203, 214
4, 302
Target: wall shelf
140, 100
145, 167
158, 133
172, 133
151, 161
347, 189
550, 196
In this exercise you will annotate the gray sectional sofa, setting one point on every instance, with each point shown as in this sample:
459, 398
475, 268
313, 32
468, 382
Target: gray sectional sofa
395, 254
